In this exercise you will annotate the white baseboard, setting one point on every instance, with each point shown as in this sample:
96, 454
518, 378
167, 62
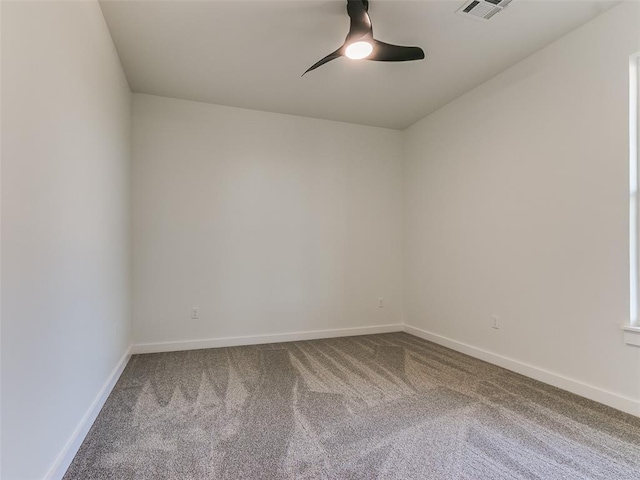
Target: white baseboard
59, 467
611, 399
260, 339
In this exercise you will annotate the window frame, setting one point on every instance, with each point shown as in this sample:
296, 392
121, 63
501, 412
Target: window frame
634, 209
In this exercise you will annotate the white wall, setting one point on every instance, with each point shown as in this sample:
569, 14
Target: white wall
65, 225
268, 223
517, 205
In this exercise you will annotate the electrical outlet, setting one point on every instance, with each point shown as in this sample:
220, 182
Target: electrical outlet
495, 322
381, 302
195, 313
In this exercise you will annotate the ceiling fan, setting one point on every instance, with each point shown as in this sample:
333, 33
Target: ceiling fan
360, 43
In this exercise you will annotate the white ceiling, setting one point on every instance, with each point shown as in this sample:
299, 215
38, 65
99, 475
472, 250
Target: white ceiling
251, 54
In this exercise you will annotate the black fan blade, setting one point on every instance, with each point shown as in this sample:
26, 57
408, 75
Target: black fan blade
360, 22
328, 58
361, 28
385, 52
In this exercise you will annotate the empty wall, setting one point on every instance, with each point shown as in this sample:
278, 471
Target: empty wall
65, 225
268, 223
517, 206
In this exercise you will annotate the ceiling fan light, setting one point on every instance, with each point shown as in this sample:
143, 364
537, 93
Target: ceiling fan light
359, 50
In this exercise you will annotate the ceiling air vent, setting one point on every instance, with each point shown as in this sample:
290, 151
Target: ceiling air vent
482, 10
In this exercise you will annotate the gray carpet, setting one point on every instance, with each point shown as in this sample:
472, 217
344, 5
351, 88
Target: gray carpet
388, 406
